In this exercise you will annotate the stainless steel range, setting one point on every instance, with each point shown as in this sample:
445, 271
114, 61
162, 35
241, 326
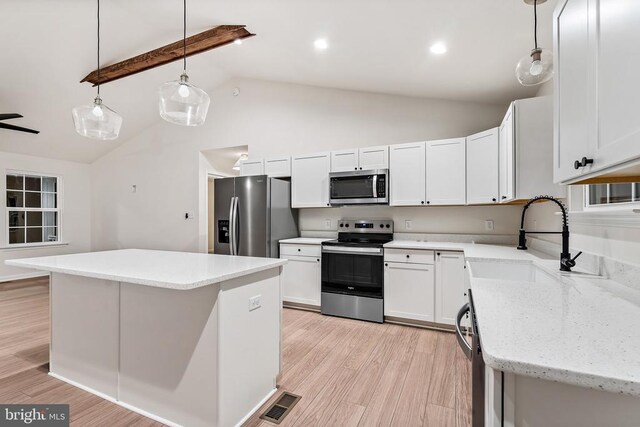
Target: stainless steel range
353, 270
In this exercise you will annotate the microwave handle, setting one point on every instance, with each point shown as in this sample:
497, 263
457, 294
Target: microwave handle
464, 345
375, 186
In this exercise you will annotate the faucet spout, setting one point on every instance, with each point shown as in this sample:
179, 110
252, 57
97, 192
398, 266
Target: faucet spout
566, 262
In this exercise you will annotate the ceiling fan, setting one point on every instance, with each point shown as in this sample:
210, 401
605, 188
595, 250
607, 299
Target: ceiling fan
12, 127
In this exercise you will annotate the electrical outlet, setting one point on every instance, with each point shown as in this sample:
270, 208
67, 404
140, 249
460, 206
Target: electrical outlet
408, 224
255, 303
327, 224
488, 225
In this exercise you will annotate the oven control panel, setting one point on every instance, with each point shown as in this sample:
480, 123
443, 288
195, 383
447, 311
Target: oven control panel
365, 226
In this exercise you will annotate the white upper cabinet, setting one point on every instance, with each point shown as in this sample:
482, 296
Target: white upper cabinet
597, 94
344, 160
407, 174
374, 158
526, 151
278, 167
506, 158
252, 167
574, 130
482, 167
446, 172
310, 180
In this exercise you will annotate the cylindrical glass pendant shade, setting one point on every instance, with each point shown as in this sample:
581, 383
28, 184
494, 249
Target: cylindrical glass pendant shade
97, 121
535, 68
183, 103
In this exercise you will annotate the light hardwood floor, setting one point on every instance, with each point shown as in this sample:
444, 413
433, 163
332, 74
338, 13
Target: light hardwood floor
349, 373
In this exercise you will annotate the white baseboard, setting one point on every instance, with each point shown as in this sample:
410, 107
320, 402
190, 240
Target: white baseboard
148, 414
22, 276
117, 402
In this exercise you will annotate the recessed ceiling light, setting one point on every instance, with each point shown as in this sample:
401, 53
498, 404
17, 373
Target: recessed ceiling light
237, 41
321, 44
438, 48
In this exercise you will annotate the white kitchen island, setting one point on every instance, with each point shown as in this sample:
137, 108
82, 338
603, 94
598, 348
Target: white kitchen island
184, 338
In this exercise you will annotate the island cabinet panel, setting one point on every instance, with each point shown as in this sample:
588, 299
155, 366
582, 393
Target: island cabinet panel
168, 354
85, 332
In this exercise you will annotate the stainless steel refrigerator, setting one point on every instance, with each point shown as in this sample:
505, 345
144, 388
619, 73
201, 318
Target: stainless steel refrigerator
253, 213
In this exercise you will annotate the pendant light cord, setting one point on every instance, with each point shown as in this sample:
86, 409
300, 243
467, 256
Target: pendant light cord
535, 23
184, 37
98, 47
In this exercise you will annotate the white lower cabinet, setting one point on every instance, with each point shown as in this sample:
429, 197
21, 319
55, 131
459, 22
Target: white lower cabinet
450, 286
409, 291
301, 275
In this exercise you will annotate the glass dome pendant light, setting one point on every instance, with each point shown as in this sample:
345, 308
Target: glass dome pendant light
181, 102
96, 120
537, 67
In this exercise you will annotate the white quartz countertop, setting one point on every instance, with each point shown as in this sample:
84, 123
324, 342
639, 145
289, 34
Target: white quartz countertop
305, 240
164, 269
573, 328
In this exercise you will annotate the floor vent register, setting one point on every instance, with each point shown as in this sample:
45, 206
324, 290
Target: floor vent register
281, 408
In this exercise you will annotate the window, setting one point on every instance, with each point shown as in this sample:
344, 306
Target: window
612, 194
33, 215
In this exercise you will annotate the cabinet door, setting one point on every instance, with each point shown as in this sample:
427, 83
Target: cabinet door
301, 280
278, 167
374, 158
409, 291
344, 160
446, 172
618, 96
251, 167
506, 157
574, 131
450, 286
482, 167
407, 174
310, 181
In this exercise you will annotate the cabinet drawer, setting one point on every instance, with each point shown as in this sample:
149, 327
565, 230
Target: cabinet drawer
413, 256
300, 250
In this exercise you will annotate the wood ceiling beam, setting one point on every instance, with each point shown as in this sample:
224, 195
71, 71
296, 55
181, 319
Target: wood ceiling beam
202, 42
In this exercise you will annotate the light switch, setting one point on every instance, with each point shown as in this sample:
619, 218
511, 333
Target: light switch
327, 224
408, 224
488, 225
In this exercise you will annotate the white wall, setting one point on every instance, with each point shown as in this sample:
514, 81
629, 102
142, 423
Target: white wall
75, 213
271, 118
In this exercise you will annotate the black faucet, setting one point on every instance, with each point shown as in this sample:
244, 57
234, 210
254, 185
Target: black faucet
566, 262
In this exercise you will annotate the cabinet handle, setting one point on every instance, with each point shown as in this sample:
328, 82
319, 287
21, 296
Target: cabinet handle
428, 202
318, 260
386, 265
360, 167
407, 255
493, 200
504, 197
582, 163
422, 202
328, 204
299, 249
438, 253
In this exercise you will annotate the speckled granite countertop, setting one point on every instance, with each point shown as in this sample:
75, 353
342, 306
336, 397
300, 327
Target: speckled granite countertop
573, 328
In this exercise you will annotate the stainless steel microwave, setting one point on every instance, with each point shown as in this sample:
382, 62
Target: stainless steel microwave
369, 187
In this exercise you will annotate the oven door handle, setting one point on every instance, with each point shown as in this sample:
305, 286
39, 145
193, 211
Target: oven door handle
464, 345
352, 251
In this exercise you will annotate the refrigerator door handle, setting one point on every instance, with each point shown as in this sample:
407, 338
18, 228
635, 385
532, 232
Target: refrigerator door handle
236, 226
231, 226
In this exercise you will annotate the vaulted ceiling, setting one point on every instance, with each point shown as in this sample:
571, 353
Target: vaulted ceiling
374, 45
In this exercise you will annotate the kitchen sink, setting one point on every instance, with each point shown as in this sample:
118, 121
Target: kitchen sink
520, 271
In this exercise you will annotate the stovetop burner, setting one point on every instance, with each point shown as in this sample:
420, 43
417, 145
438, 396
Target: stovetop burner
363, 233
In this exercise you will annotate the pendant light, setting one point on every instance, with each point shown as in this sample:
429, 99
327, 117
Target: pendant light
181, 102
97, 120
537, 67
